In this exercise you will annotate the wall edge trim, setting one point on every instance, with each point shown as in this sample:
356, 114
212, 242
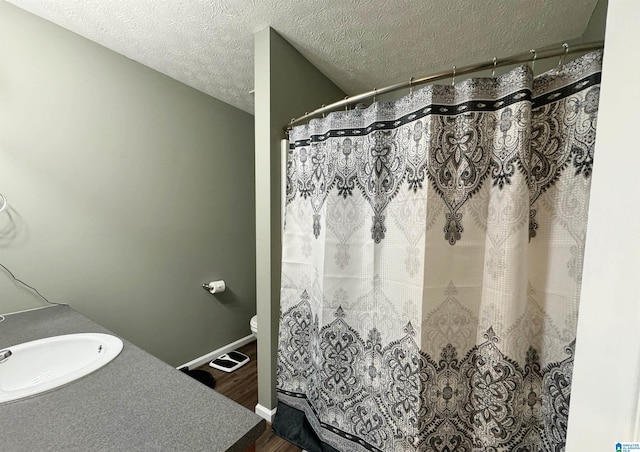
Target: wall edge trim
266, 413
218, 352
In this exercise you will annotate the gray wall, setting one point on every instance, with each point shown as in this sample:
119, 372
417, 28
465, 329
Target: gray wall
286, 86
595, 30
128, 190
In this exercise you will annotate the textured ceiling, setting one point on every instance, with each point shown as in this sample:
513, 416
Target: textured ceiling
359, 44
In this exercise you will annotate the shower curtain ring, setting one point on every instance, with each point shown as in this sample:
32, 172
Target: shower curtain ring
453, 77
411, 85
533, 63
493, 72
563, 58
323, 105
375, 91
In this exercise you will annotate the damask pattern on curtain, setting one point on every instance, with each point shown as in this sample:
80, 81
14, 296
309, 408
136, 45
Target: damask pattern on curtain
432, 260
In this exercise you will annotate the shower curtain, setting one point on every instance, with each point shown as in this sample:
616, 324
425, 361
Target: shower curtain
431, 269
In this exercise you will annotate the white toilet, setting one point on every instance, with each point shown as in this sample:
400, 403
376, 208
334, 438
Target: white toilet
254, 325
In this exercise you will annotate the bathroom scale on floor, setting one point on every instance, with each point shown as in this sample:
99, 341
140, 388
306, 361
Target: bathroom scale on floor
230, 361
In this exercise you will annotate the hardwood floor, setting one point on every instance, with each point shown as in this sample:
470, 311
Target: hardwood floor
242, 387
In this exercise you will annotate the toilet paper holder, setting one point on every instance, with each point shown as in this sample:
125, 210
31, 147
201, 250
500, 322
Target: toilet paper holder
214, 286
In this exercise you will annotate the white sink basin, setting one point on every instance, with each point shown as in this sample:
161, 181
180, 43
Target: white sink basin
37, 366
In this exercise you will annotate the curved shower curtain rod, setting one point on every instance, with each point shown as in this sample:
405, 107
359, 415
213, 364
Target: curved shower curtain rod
526, 57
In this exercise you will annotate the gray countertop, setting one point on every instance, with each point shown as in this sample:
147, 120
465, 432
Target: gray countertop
135, 403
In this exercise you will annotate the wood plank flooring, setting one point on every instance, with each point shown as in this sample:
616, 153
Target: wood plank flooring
242, 387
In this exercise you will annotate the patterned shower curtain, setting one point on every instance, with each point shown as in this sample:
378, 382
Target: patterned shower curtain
431, 269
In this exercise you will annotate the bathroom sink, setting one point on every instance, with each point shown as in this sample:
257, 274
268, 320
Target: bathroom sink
33, 367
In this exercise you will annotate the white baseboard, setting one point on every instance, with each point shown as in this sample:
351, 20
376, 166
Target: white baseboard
265, 413
219, 352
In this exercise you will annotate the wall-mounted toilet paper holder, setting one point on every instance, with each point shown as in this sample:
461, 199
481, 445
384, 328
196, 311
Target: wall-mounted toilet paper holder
214, 286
